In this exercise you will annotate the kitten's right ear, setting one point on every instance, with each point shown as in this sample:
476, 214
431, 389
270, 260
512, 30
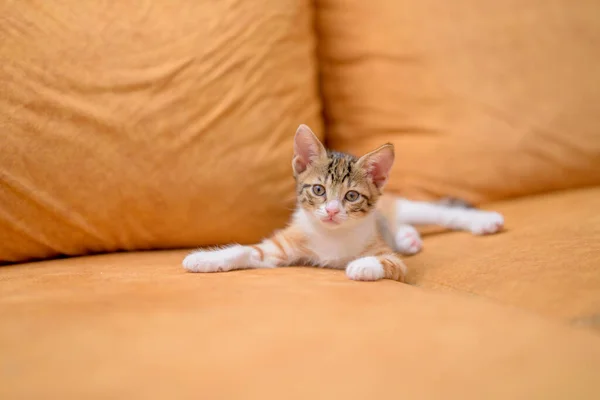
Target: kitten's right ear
307, 149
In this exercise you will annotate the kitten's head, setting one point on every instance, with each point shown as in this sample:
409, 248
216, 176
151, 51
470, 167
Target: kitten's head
337, 189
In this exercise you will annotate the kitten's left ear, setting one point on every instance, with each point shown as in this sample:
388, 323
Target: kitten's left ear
378, 164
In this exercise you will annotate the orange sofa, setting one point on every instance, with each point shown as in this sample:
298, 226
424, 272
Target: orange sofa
131, 133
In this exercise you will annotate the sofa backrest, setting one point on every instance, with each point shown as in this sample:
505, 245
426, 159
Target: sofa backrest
483, 99
170, 125
126, 128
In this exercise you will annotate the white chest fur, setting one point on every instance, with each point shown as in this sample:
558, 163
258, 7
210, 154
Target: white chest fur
334, 248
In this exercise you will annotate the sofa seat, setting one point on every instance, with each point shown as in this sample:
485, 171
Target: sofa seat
547, 261
136, 325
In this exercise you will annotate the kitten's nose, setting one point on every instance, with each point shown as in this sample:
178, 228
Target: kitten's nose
332, 213
332, 208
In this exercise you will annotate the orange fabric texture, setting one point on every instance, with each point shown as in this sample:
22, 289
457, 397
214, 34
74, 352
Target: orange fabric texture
484, 100
547, 261
128, 125
137, 326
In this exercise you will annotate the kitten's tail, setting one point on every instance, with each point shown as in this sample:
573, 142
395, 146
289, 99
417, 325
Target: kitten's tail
454, 202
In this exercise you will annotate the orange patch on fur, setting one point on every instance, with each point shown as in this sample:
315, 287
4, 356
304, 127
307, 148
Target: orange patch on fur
297, 241
276, 242
392, 269
260, 252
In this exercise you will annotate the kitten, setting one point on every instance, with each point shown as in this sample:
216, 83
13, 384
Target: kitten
342, 220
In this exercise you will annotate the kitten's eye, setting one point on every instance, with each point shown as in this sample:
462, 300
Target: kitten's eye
318, 190
352, 195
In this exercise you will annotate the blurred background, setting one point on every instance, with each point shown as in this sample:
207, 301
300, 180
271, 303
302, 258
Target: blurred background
176, 118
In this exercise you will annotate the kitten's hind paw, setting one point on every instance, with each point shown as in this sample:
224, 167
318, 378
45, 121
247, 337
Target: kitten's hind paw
408, 240
486, 222
227, 259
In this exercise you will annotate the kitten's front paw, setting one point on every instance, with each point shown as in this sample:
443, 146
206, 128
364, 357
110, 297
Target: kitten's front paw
408, 240
365, 269
226, 259
486, 222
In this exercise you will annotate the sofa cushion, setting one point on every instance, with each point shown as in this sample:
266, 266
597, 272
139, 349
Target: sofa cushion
137, 326
164, 125
546, 261
484, 100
